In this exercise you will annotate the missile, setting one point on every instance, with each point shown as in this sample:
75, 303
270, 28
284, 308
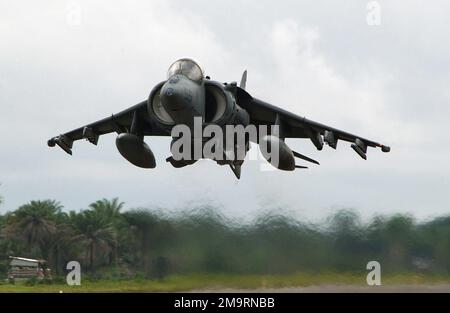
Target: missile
135, 150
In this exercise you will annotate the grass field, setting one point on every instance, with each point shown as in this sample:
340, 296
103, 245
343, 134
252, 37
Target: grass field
217, 281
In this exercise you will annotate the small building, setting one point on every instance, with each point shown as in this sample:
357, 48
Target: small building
23, 268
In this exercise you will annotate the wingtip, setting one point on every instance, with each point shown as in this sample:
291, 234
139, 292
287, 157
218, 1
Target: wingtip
63, 142
51, 142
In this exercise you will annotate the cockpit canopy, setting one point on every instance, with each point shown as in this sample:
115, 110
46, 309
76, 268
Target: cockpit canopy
188, 68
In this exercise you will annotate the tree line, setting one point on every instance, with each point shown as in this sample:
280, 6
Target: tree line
111, 242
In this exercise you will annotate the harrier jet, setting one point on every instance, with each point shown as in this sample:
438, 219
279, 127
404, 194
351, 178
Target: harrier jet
187, 95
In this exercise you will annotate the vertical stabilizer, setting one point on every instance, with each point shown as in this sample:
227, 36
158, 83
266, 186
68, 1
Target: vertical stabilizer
243, 80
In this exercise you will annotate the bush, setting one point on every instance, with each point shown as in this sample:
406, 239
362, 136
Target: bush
160, 268
31, 281
59, 280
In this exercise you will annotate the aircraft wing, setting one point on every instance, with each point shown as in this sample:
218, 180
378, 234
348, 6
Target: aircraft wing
294, 126
127, 120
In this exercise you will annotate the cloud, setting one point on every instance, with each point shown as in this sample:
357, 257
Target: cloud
308, 84
316, 59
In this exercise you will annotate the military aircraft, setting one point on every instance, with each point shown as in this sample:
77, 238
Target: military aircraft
188, 94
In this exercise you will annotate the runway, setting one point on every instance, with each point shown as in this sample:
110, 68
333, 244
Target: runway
438, 288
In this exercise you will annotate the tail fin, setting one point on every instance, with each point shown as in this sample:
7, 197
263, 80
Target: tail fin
243, 80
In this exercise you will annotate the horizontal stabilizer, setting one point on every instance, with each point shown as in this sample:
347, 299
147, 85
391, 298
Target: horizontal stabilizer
304, 157
299, 166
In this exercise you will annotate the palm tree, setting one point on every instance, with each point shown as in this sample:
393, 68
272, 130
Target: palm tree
95, 231
141, 224
34, 223
110, 211
63, 242
2, 221
148, 232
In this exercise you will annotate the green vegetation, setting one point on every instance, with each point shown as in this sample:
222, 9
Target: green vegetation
220, 282
145, 250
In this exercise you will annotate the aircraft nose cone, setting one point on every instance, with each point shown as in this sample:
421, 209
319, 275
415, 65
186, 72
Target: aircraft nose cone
171, 98
169, 92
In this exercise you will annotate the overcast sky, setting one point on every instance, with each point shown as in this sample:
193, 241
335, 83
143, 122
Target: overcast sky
67, 63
